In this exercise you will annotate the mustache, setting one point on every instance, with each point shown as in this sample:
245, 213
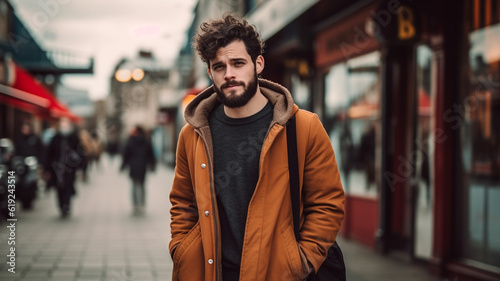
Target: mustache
232, 83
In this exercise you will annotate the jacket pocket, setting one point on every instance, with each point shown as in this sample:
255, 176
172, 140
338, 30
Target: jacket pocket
292, 249
188, 257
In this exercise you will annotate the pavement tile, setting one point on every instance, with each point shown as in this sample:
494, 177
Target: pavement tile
35, 278
63, 273
92, 265
91, 274
364, 264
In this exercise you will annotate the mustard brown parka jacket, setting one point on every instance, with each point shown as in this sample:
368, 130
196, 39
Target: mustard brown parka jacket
270, 251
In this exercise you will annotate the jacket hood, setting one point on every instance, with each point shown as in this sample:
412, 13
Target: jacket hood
199, 109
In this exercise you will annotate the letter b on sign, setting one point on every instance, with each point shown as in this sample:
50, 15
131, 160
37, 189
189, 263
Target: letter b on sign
406, 25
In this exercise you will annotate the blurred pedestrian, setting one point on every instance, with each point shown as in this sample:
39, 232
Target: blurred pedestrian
48, 173
138, 156
89, 152
112, 146
65, 156
28, 144
347, 151
98, 148
49, 133
231, 215
367, 150
28, 154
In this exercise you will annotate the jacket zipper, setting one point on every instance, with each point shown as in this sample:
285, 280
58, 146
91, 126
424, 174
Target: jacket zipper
214, 207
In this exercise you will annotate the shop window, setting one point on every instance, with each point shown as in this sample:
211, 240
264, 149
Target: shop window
480, 146
352, 119
300, 91
423, 145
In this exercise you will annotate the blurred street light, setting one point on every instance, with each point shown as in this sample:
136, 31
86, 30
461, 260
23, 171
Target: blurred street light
137, 74
123, 75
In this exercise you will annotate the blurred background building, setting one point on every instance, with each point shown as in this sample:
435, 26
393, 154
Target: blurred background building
143, 92
30, 77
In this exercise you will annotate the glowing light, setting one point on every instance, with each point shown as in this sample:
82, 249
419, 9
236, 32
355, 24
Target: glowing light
123, 75
137, 74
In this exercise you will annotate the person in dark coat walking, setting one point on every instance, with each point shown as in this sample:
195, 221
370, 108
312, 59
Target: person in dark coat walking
28, 144
65, 156
138, 156
48, 173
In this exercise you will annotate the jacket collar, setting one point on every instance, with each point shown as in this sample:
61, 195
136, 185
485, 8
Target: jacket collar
199, 109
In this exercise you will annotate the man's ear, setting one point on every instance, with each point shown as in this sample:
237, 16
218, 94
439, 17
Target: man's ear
209, 73
259, 64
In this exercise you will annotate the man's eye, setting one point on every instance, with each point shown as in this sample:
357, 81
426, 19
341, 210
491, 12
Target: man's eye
218, 67
239, 63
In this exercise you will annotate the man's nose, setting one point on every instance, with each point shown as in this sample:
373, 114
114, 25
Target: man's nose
229, 75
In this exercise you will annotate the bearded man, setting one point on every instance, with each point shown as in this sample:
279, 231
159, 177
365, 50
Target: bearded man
231, 216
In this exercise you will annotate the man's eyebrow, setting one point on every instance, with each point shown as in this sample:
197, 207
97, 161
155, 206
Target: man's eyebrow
238, 59
216, 64
232, 60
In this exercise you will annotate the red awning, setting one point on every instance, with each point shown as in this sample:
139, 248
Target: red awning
27, 94
23, 100
25, 82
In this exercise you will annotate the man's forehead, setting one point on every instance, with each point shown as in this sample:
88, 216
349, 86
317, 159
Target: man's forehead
234, 50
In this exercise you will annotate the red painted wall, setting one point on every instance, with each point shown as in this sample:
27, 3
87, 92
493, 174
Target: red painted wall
361, 219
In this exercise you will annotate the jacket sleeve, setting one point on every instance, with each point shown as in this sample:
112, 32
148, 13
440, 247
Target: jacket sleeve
184, 212
323, 196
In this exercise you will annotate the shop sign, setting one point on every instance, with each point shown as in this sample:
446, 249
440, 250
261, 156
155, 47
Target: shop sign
395, 22
274, 15
345, 39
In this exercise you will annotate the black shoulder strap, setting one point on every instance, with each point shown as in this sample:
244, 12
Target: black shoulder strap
333, 268
293, 171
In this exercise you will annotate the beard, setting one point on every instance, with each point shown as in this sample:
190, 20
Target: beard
232, 100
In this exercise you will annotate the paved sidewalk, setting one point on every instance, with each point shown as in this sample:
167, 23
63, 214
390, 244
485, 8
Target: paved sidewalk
101, 240
364, 264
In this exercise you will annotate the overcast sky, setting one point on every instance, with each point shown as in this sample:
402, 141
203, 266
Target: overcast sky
107, 30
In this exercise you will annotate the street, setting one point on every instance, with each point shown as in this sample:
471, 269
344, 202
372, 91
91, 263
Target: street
103, 240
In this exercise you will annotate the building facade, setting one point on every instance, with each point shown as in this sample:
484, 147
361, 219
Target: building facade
29, 77
408, 92
144, 92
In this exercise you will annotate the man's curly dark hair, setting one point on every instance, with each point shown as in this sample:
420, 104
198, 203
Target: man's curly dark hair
215, 34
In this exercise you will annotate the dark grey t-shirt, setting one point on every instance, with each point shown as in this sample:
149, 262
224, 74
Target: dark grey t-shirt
237, 144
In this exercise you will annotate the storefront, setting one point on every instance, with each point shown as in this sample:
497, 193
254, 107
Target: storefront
411, 100
477, 118
409, 93
350, 63
23, 99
